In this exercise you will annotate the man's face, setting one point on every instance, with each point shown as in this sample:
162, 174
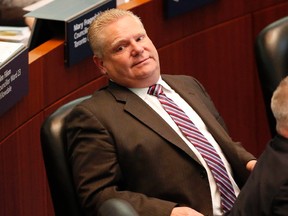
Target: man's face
129, 56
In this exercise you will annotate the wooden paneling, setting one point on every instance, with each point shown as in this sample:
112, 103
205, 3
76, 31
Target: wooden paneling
83, 91
64, 79
266, 16
166, 31
23, 184
259, 5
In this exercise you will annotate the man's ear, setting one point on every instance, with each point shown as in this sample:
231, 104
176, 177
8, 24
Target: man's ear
100, 64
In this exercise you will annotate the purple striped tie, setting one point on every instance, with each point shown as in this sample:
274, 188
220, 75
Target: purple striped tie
207, 151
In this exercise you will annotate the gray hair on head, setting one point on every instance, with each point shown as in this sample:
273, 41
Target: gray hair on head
102, 20
279, 104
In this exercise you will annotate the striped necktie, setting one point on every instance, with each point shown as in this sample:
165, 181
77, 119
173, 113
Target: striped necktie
209, 154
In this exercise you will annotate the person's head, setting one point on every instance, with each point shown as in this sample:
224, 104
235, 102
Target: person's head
279, 106
122, 50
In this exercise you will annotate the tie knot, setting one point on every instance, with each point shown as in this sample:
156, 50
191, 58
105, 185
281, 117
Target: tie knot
155, 90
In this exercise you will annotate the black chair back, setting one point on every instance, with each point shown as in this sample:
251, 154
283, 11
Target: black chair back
272, 61
58, 171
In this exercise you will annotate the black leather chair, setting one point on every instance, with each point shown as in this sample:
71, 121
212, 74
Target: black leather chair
272, 61
57, 169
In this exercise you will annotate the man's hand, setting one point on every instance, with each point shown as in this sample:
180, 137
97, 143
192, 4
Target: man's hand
250, 165
185, 211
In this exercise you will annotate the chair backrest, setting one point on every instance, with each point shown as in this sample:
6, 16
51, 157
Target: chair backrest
58, 171
272, 61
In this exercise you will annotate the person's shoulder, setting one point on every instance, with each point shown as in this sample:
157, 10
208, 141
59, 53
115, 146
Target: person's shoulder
91, 105
180, 78
96, 96
279, 143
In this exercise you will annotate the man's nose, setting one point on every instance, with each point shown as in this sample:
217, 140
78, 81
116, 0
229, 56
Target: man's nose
137, 48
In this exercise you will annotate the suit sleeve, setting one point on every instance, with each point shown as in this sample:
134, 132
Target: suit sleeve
97, 174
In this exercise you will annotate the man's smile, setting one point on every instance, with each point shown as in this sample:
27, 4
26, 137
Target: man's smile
143, 61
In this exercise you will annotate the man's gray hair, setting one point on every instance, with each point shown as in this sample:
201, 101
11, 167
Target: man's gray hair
279, 104
102, 19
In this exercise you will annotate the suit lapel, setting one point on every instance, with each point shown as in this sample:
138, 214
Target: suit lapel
145, 114
189, 95
141, 111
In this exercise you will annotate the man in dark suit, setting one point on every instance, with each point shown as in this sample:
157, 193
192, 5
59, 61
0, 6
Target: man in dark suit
266, 191
123, 144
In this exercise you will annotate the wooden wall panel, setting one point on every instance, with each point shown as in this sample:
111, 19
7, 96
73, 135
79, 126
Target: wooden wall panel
59, 80
260, 4
23, 184
83, 91
166, 31
264, 17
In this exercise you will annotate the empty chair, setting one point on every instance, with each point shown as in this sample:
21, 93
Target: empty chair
272, 61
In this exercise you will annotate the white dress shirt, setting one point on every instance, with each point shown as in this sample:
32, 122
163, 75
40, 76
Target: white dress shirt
154, 103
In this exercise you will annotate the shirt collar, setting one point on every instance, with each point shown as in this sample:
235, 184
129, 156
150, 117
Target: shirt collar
142, 92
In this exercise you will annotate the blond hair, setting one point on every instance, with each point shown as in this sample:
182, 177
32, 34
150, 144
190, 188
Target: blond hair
102, 20
279, 104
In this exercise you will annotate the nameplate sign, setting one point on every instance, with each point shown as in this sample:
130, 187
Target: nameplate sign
14, 82
70, 18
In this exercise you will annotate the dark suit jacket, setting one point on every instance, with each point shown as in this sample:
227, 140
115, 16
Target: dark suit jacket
119, 147
266, 191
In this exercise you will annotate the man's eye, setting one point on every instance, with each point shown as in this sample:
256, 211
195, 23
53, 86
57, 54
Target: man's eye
140, 38
120, 48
